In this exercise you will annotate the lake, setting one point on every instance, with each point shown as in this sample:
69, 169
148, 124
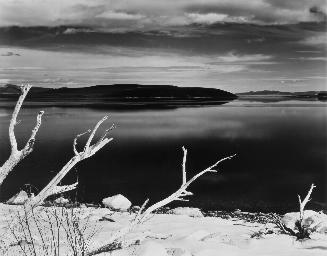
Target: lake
281, 149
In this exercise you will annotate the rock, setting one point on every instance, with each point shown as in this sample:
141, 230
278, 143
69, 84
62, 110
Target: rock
19, 198
189, 211
117, 202
151, 248
61, 200
317, 222
290, 218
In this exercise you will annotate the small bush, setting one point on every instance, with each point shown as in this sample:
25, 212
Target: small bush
51, 231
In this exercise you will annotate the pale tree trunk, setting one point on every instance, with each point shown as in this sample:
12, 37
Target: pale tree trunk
17, 155
144, 213
8, 166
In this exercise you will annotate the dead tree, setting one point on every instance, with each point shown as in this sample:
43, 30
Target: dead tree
144, 213
301, 231
89, 150
304, 202
17, 155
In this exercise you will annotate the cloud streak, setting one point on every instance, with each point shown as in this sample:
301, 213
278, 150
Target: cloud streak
233, 57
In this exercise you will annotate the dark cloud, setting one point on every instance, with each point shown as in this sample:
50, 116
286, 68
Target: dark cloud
298, 4
199, 39
261, 12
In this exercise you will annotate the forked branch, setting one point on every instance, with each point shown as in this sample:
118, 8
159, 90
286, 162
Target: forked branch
17, 155
89, 150
180, 194
305, 201
144, 213
300, 231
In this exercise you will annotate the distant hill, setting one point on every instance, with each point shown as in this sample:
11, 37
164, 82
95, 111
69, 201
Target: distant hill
123, 91
9, 89
306, 94
127, 94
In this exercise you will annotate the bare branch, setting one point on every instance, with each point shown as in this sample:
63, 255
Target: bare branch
64, 188
184, 164
96, 147
25, 89
305, 201
30, 143
17, 155
89, 150
181, 192
75, 141
88, 143
141, 209
142, 216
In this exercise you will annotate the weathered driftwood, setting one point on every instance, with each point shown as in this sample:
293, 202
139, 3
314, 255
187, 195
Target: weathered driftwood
17, 155
89, 150
144, 213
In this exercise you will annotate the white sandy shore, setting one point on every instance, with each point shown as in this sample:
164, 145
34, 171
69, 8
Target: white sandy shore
183, 235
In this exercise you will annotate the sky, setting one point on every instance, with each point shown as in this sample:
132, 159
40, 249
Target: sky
235, 45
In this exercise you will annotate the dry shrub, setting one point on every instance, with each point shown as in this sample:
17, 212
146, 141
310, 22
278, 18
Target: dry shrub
52, 231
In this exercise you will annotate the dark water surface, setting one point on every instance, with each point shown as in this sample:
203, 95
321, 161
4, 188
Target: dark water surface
281, 149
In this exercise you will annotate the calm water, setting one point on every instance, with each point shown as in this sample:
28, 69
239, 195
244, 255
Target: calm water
281, 149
